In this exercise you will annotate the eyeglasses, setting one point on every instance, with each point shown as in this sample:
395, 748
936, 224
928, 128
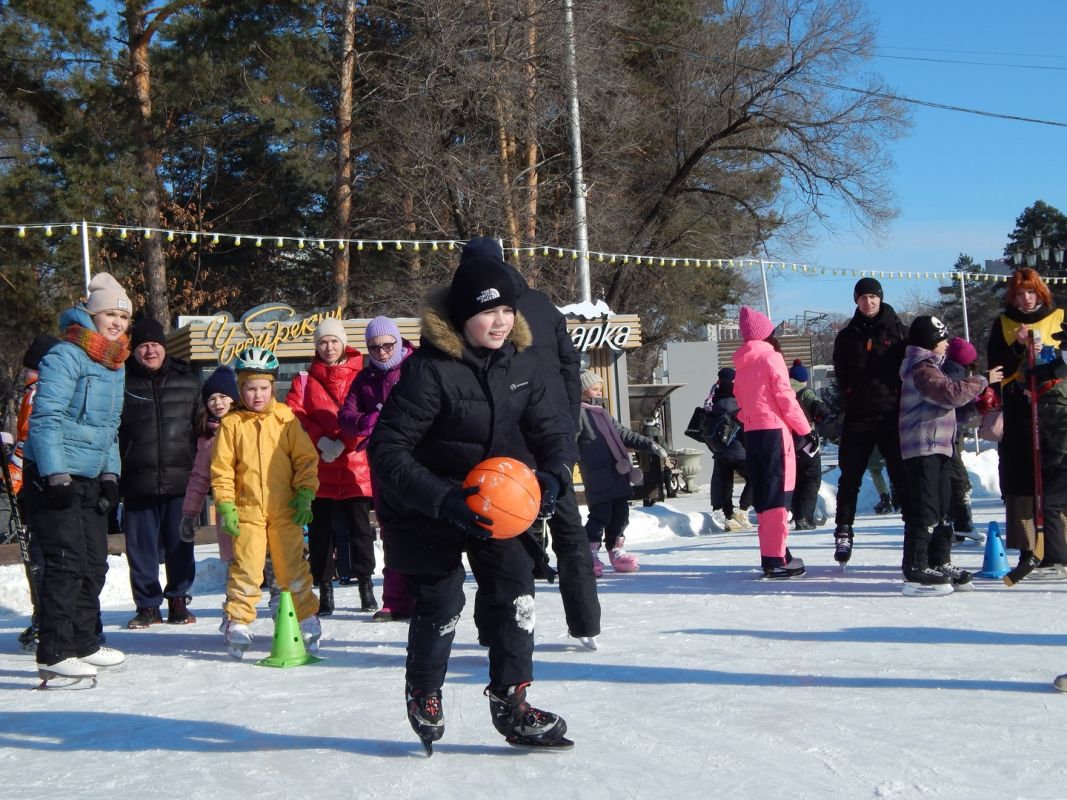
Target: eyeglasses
382, 348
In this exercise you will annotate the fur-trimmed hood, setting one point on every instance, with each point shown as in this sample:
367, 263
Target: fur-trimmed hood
438, 330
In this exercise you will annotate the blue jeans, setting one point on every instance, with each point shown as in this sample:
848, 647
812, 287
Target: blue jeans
151, 525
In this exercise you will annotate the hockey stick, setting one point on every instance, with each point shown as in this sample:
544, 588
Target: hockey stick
1038, 553
22, 533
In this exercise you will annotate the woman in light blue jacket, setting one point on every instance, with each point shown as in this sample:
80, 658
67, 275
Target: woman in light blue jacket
72, 469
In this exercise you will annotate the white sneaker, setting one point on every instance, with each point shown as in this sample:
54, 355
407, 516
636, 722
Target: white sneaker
311, 631
105, 658
741, 517
67, 668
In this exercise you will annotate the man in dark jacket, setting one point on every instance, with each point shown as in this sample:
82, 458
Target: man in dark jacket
560, 363
157, 444
867, 357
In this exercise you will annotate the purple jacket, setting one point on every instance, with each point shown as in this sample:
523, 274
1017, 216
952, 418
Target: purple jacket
928, 400
367, 395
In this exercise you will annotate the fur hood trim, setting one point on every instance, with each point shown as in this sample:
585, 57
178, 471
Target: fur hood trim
438, 330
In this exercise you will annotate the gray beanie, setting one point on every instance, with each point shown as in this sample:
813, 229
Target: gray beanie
107, 294
589, 379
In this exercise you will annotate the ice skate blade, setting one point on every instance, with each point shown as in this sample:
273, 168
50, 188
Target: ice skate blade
68, 682
524, 743
427, 745
587, 642
921, 590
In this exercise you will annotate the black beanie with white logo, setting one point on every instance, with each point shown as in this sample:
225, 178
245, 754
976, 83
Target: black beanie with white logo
481, 282
926, 332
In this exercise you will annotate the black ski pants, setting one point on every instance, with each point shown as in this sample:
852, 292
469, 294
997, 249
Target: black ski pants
858, 438
927, 539
344, 526
503, 615
722, 485
808, 481
607, 520
577, 583
74, 544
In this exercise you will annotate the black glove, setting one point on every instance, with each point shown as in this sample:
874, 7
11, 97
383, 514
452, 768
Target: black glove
550, 487
811, 444
454, 508
109, 494
59, 492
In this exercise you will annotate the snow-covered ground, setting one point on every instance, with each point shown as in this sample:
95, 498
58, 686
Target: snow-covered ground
708, 683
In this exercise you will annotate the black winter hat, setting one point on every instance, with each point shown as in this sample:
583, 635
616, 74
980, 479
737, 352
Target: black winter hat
926, 332
146, 330
481, 282
221, 381
727, 374
867, 286
37, 350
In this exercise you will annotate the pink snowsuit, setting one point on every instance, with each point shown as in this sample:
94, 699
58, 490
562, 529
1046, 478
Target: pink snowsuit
768, 412
198, 488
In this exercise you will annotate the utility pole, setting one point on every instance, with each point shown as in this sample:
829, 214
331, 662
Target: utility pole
581, 232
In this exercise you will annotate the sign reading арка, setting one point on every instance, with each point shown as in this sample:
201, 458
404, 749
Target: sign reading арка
615, 333
268, 325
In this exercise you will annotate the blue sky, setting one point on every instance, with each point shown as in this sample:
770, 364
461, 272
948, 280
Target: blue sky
960, 179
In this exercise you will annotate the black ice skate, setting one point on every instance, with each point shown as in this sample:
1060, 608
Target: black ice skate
926, 582
885, 504
521, 724
843, 544
425, 715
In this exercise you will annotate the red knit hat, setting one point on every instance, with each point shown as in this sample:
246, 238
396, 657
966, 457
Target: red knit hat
962, 352
754, 326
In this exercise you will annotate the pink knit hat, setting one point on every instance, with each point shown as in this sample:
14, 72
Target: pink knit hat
754, 326
962, 352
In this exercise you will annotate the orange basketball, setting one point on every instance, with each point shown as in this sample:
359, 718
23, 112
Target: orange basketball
508, 494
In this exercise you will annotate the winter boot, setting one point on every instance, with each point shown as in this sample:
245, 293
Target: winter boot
598, 565
425, 714
621, 561
520, 723
885, 504
366, 595
843, 544
238, 637
178, 612
105, 658
145, 617
740, 516
325, 598
311, 632
28, 638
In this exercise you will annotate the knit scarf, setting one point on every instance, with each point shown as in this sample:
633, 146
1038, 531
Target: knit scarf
107, 353
394, 360
605, 427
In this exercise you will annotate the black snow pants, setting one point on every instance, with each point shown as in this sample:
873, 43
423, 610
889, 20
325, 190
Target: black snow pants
927, 539
577, 584
858, 438
808, 481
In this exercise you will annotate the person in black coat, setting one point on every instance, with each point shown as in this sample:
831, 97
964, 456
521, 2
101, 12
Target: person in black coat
554, 350
469, 392
867, 356
729, 460
157, 444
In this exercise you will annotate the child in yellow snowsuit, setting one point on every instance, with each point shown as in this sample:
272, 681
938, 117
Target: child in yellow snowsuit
264, 475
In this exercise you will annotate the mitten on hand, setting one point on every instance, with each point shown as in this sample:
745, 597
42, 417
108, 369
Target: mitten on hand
550, 487
109, 492
187, 528
454, 508
661, 451
331, 449
301, 505
59, 491
230, 523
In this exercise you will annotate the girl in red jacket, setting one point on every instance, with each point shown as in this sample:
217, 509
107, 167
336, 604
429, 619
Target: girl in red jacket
771, 415
341, 508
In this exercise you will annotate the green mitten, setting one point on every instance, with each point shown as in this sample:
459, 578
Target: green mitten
230, 523
301, 505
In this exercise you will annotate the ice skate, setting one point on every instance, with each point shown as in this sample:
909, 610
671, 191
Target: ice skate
106, 658
926, 582
521, 724
425, 715
311, 632
793, 568
1050, 572
960, 579
238, 637
621, 561
843, 545
69, 671
588, 642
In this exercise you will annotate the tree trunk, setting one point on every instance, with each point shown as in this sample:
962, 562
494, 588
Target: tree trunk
343, 178
149, 156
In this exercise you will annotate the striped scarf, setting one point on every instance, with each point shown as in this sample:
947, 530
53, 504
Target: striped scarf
100, 349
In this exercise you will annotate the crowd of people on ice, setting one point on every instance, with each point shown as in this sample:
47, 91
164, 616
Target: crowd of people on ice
109, 416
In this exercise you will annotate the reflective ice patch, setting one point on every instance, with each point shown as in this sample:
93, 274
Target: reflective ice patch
448, 627
524, 612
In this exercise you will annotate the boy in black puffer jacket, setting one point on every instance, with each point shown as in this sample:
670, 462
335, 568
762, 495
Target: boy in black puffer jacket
467, 394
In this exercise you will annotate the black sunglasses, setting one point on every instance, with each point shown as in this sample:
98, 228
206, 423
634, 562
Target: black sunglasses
382, 348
